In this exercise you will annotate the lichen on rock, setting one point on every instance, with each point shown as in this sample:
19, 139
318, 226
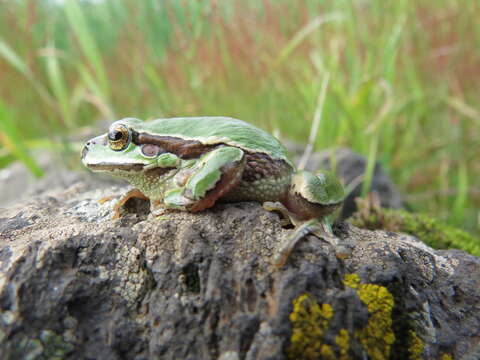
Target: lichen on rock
343, 342
76, 284
377, 336
309, 324
416, 347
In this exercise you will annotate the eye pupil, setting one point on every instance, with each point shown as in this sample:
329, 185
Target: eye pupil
115, 135
118, 138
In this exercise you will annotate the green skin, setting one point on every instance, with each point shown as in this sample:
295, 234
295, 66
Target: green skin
191, 163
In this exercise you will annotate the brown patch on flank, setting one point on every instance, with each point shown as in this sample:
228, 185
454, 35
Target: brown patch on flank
259, 166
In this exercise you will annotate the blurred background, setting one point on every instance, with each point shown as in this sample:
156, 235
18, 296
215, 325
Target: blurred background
401, 80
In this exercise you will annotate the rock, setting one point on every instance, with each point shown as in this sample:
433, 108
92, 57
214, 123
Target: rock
76, 284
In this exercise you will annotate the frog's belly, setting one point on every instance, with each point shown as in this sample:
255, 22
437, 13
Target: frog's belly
263, 179
261, 190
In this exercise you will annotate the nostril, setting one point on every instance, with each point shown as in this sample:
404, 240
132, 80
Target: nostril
88, 143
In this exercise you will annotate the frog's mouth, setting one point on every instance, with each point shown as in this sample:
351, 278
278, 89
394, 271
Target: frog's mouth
113, 167
123, 169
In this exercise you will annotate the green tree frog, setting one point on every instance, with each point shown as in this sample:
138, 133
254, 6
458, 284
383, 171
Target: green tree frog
191, 163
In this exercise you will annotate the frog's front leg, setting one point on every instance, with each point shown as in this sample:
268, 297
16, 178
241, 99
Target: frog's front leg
133, 193
213, 176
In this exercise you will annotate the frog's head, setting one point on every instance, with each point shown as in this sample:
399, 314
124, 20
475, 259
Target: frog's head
121, 151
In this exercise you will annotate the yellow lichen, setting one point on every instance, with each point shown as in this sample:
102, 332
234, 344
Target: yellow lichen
416, 346
351, 280
446, 357
343, 342
327, 352
309, 322
377, 336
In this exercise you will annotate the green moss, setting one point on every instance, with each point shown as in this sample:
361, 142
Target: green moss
431, 231
416, 346
439, 235
309, 322
377, 336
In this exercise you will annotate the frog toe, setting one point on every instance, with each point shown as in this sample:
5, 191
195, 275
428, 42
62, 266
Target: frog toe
119, 207
313, 226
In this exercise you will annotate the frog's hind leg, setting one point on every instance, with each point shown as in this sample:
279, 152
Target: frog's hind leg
308, 205
319, 228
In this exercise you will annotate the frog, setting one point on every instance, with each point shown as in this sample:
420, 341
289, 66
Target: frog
192, 163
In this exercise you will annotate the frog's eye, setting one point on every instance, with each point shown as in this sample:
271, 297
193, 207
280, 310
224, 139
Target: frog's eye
118, 137
150, 150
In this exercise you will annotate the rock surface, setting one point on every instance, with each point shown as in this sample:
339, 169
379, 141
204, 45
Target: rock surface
75, 284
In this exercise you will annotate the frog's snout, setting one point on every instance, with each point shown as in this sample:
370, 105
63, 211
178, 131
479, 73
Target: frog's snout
85, 150
99, 140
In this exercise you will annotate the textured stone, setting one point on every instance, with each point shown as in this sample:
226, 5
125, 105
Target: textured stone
76, 284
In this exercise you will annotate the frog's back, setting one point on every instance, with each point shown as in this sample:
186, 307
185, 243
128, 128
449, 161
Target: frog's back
216, 130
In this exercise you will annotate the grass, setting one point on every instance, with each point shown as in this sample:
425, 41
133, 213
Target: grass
402, 86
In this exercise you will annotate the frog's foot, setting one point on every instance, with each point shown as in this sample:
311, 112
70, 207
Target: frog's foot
321, 229
105, 199
157, 209
289, 218
118, 207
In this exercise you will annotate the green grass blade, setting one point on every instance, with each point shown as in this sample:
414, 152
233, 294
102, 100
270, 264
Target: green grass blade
462, 193
83, 33
58, 86
14, 60
303, 33
317, 118
11, 140
371, 162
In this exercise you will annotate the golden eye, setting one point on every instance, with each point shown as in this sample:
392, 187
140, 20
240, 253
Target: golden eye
118, 137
